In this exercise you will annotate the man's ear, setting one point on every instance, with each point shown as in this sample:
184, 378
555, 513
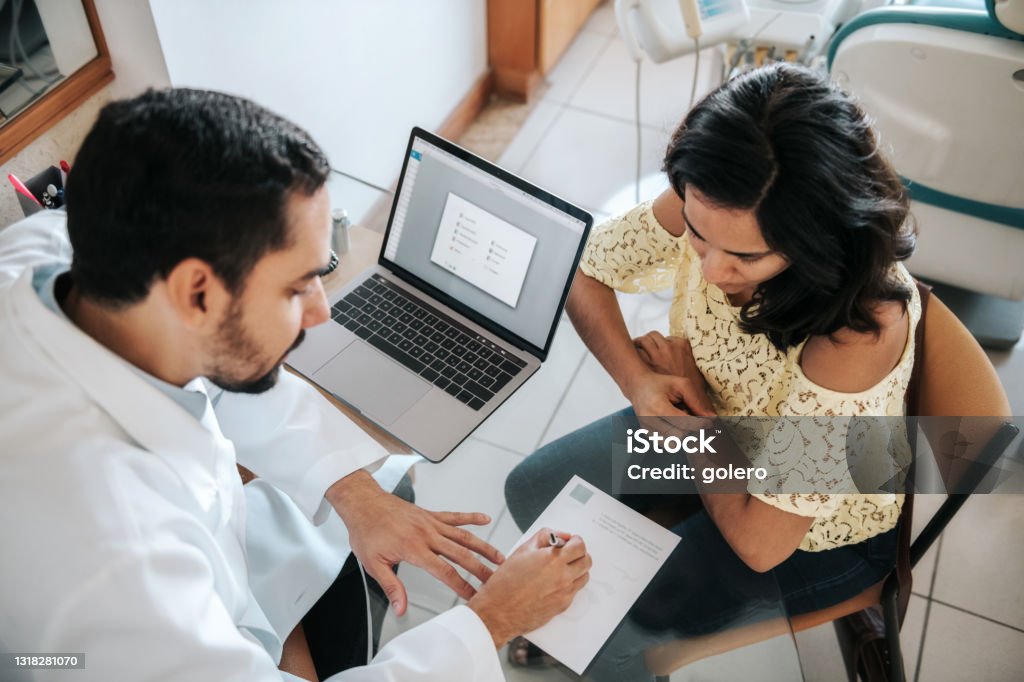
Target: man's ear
196, 293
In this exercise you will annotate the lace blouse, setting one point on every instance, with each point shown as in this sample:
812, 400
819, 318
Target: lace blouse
749, 377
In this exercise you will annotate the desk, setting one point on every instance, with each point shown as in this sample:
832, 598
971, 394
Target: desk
774, 655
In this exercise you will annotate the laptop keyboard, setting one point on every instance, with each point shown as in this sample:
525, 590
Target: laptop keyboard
444, 352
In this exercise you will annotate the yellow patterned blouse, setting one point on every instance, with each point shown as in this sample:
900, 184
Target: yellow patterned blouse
748, 376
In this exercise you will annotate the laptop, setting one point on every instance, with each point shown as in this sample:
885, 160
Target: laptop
462, 306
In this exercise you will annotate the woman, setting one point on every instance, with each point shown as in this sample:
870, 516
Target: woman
783, 235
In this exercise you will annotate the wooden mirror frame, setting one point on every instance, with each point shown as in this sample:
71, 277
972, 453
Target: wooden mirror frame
41, 115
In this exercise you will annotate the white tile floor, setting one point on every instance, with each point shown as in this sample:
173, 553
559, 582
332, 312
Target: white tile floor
967, 614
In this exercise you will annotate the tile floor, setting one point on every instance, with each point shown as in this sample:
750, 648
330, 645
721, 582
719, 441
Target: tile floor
966, 618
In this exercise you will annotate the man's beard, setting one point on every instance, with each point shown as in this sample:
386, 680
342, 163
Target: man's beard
234, 344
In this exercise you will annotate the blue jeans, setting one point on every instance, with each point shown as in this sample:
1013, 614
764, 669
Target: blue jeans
703, 587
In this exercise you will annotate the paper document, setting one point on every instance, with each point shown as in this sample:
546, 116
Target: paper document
627, 549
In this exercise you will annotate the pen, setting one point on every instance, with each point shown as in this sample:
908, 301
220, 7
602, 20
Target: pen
555, 541
20, 188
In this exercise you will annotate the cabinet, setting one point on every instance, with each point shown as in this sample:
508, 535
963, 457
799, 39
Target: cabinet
525, 38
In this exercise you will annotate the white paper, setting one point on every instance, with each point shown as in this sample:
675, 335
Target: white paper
481, 248
627, 549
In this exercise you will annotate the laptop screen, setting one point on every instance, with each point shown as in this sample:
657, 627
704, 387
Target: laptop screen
484, 238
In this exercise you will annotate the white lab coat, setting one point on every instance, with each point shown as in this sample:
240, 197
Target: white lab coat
123, 520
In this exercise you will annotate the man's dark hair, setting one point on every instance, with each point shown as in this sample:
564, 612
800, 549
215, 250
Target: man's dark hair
175, 174
789, 145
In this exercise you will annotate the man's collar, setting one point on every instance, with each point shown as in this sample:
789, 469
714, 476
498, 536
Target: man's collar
149, 417
52, 284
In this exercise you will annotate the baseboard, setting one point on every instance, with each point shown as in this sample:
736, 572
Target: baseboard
466, 111
517, 85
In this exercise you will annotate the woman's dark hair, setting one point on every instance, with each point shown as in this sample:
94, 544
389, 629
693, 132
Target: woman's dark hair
786, 143
175, 174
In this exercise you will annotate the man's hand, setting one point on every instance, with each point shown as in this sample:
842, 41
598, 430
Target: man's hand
536, 583
385, 530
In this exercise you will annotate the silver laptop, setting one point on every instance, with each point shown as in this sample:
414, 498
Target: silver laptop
462, 306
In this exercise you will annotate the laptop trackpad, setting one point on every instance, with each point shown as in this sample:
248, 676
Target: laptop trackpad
377, 385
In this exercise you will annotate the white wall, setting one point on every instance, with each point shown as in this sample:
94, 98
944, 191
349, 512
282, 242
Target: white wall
134, 48
357, 74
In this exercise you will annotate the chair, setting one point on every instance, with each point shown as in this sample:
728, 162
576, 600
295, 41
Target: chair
966, 387
942, 80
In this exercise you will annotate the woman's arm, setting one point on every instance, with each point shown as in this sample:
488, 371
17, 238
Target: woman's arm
595, 314
761, 535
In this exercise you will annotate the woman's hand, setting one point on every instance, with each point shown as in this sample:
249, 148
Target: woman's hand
662, 395
673, 386
668, 355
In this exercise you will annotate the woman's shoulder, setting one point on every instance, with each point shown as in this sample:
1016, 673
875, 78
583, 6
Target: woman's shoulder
667, 209
849, 361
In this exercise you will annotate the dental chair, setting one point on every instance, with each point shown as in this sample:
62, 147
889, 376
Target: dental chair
944, 82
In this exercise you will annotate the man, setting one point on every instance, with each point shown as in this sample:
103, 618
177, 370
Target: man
135, 380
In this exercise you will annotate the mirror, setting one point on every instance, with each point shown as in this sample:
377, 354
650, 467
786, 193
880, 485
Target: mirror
52, 57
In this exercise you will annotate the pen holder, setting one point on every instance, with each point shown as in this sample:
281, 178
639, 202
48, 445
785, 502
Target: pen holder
46, 188
49, 178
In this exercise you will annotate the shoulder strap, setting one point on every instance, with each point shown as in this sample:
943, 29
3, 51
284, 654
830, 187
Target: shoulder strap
914, 387
903, 567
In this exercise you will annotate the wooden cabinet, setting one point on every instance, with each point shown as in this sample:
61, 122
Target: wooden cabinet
525, 39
